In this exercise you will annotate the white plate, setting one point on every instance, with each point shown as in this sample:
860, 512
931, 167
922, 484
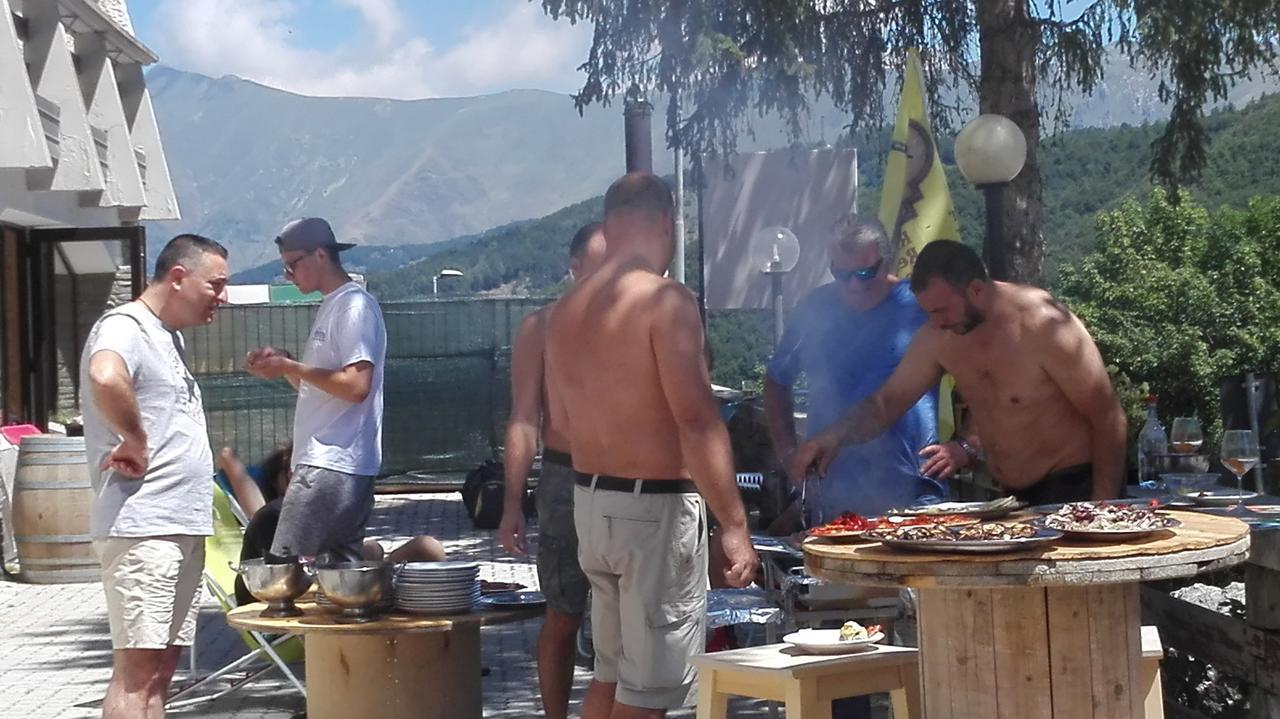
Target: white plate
1220, 497
1042, 536
436, 605
438, 595
827, 641
428, 592
980, 510
1138, 502
436, 612
440, 566
1108, 535
415, 579
440, 586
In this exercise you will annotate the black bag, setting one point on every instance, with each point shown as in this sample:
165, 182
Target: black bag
482, 494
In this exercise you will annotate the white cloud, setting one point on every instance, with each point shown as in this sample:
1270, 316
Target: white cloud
257, 40
525, 49
382, 16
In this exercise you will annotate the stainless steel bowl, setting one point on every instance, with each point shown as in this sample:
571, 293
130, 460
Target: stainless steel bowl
356, 587
276, 584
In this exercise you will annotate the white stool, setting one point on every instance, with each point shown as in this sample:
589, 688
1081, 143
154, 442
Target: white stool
1152, 653
807, 683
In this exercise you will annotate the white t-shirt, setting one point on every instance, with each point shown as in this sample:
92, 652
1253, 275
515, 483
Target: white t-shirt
327, 431
176, 495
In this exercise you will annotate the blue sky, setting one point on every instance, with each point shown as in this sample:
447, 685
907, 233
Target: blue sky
385, 48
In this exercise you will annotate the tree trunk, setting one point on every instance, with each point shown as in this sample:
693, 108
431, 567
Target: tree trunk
1007, 39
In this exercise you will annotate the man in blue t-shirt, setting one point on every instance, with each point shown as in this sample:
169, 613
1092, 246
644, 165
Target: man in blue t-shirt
847, 337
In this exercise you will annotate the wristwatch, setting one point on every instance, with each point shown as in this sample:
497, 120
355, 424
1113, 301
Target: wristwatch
969, 449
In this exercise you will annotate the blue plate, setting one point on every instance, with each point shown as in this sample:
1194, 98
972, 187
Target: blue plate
513, 600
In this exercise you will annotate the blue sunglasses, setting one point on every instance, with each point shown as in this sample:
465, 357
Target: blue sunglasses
864, 274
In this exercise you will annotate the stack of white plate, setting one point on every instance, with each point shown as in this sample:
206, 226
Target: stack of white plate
437, 587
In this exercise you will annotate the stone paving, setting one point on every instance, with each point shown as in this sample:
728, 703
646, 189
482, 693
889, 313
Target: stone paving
55, 656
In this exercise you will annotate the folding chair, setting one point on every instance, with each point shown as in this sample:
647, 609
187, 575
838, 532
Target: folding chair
221, 550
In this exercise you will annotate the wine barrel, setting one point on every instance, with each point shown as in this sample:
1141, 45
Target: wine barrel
51, 504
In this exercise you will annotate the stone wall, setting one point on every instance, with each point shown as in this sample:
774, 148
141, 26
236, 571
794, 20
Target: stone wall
81, 302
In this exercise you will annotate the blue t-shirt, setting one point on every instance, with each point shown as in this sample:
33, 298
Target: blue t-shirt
846, 356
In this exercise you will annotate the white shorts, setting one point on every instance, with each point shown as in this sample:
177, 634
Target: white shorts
153, 589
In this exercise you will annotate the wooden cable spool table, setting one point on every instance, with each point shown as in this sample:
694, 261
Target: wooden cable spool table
1052, 632
398, 666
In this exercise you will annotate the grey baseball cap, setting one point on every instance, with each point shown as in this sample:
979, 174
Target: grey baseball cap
309, 233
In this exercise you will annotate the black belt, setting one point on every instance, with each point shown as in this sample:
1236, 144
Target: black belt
555, 456
647, 486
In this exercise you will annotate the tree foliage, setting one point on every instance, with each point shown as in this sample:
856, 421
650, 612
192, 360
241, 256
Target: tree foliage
1181, 297
722, 58
717, 59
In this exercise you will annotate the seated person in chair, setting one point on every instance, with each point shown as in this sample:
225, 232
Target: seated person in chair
261, 502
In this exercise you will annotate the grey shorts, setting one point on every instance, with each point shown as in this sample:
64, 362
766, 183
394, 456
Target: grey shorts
324, 515
646, 558
560, 576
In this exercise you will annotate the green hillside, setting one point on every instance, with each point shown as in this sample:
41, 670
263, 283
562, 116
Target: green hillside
1084, 172
530, 258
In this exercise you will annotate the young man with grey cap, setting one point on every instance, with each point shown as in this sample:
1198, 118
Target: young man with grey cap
337, 426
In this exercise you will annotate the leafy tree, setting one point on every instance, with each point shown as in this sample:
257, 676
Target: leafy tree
717, 59
1180, 297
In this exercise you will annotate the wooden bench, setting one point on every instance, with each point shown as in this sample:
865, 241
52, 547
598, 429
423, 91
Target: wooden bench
807, 683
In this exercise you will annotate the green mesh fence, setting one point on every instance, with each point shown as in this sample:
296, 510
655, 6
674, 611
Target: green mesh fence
446, 389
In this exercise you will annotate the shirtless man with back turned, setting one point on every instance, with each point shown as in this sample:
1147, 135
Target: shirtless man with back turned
559, 575
625, 354
1046, 415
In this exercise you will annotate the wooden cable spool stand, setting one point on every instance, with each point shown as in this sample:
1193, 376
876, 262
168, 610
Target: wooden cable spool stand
1054, 632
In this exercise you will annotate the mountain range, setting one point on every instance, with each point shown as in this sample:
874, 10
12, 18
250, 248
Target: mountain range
398, 177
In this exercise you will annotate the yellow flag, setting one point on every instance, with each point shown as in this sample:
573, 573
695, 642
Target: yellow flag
915, 205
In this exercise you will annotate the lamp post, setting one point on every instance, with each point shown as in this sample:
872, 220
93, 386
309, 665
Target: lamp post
779, 249
990, 152
442, 273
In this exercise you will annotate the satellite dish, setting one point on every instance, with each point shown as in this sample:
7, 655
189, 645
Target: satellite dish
775, 248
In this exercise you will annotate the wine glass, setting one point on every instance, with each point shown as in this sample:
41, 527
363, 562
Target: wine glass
1186, 436
1239, 454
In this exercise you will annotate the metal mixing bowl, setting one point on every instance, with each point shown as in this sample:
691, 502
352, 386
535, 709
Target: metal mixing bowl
276, 584
356, 587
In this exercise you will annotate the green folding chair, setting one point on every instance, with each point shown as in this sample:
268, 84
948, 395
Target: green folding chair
222, 550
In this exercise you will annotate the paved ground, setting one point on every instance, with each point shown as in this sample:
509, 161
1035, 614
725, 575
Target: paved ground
55, 655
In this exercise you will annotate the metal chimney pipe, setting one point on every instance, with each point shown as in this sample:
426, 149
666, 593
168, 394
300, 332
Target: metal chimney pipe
637, 117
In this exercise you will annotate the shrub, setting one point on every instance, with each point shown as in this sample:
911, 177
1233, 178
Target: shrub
1179, 297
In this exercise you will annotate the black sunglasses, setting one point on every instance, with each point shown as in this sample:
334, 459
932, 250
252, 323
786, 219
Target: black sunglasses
290, 264
864, 274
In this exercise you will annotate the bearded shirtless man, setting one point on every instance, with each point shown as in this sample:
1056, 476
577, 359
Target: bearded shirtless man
1045, 412
625, 354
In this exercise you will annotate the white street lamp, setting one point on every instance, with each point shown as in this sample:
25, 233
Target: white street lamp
447, 272
990, 152
775, 250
